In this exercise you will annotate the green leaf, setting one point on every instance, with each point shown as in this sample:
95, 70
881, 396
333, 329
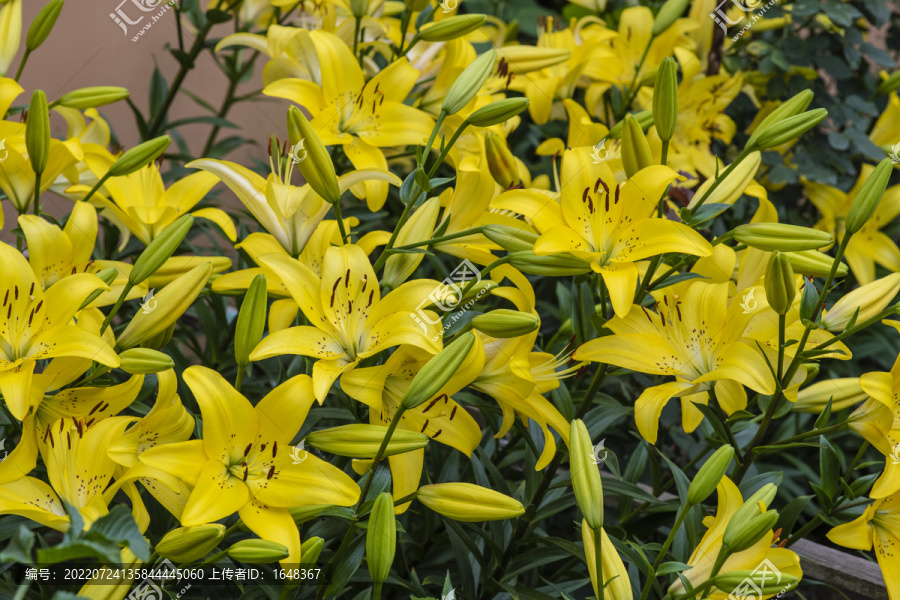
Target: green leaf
19, 548
158, 92
672, 567
822, 420
705, 213
346, 563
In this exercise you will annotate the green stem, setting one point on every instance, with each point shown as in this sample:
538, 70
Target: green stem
239, 379
781, 331
340, 221
381, 450
376, 592
632, 91
228, 102
96, 187
116, 306
744, 153
815, 432
598, 560
651, 577
665, 153
37, 193
444, 238
22, 64
447, 147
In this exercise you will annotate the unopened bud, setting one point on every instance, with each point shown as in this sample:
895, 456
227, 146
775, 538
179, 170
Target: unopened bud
667, 15
778, 236
92, 97
636, 153
523, 58
469, 83
251, 321
813, 263
747, 522
468, 502
501, 162
865, 302
143, 361
451, 27
381, 538
709, 475
559, 265
160, 249
585, 474
37, 132
139, 157
781, 289
889, 84
644, 119
42, 25
869, 197
437, 371
505, 323
732, 186
187, 544
843, 392
318, 168
511, 239
665, 98
789, 108
764, 583
789, 129
258, 551
311, 549
359, 440
498, 112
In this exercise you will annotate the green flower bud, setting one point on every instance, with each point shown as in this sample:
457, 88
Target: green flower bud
789, 129
42, 25
814, 264
762, 580
781, 289
437, 372
139, 157
143, 361
468, 502
171, 302
160, 249
451, 28
750, 532
37, 132
636, 153
665, 99
501, 162
789, 108
511, 239
778, 236
92, 97
317, 169
381, 538
709, 475
311, 549
363, 441
644, 119
498, 112
558, 265
505, 323
585, 474
258, 551
469, 83
869, 197
187, 544
159, 340
302, 514
251, 321
667, 15
890, 84
522, 58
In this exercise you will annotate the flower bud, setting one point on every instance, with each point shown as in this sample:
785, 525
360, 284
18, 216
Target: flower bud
177, 266
187, 544
511, 239
171, 302
762, 580
139, 157
92, 97
251, 321
311, 549
558, 265
750, 532
469, 83
437, 371
780, 285
732, 186
869, 300
501, 162
778, 236
667, 15
381, 538
709, 475
843, 392
585, 474
37, 132
451, 28
258, 551
419, 227
42, 25
505, 323
869, 197
143, 361
155, 342
359, 440
889, 84
636, 153
160, 249
302, 514
789, 129
522, 59
644, 119
746, 521
665, 98
814, 264
789, 108
317, 169
498, 112
468, 502
614, 573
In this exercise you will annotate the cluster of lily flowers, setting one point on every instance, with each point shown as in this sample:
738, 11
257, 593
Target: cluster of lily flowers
400, 94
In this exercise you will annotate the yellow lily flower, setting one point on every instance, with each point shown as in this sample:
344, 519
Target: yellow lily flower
362, 116
608, 225
885, 132
878, 526
697, 339
870, 245
17, 176
10, 35
291, 214
94, 137
612, 567
704, 556
350, 320
441, 418
237, 465
35, 325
